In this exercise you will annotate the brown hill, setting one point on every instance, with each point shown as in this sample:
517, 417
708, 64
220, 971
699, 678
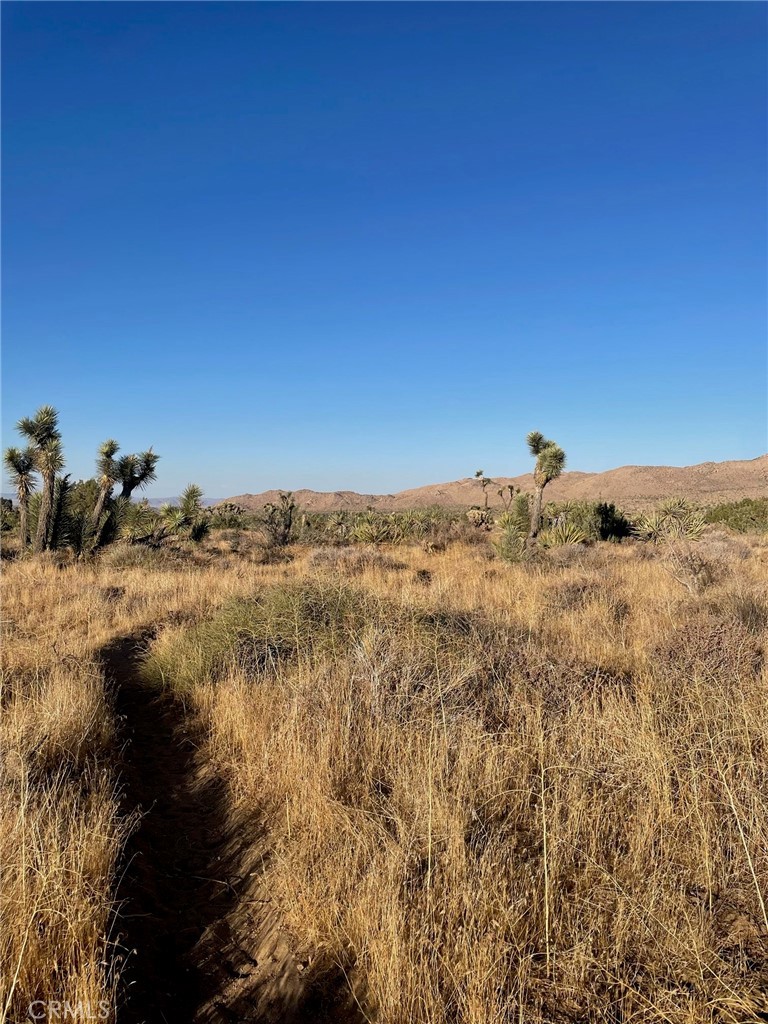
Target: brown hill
630, 487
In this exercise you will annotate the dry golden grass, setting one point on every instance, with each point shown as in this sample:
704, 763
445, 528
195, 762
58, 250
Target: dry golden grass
490, 793
61, 828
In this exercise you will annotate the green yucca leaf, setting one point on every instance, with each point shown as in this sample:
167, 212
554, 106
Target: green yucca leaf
562, 533
42, 428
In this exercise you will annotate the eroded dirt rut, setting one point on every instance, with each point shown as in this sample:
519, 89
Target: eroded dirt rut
201, 941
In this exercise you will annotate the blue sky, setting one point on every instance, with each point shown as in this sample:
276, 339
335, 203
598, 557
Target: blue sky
372, 245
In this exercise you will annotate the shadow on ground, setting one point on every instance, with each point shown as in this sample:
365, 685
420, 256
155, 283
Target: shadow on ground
201, 940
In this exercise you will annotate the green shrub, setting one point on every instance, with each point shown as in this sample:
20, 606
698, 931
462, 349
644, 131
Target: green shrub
303, 618
126, 555
227, 514
9, 517
750, 515
595, 520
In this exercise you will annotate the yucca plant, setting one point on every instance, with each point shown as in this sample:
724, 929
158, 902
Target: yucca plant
517, 518
189, 517
196, 518
172, 518
513, 525
50, 462
510, 545
596, 520
338, 526
675, 519
650, 526
686, 520
371, 528
562, 533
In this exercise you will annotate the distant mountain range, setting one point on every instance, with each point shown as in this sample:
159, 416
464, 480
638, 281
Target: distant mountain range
631, 487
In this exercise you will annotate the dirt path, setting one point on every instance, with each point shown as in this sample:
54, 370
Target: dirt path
202, 943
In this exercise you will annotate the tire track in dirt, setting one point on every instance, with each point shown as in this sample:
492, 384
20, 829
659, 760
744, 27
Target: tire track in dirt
199, 944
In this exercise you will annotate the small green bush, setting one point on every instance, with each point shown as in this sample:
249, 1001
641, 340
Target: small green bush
594, 520
227, 514
286, 621
9, 516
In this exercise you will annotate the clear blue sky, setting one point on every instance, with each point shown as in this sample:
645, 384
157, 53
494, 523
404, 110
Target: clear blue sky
372, 245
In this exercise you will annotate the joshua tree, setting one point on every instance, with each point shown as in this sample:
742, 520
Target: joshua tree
20, 463
278, 519
108, 475
42, 430
136, 471
550, 460
485, 483
50, 462
135, 521
507, 495
62, 522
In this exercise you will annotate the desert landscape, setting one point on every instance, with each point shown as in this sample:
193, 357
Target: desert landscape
304, 717
424, 765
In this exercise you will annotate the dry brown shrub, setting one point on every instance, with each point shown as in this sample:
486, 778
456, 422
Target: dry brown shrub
353, 561
709, 646
573, 592
566, 555
723, 547
746, 607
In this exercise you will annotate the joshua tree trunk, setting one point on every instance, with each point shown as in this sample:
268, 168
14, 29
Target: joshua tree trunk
98, 512
23, 527
538, 497
44, 517
100, 503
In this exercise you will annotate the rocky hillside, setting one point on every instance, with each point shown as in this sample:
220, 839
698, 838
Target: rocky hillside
631, 487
